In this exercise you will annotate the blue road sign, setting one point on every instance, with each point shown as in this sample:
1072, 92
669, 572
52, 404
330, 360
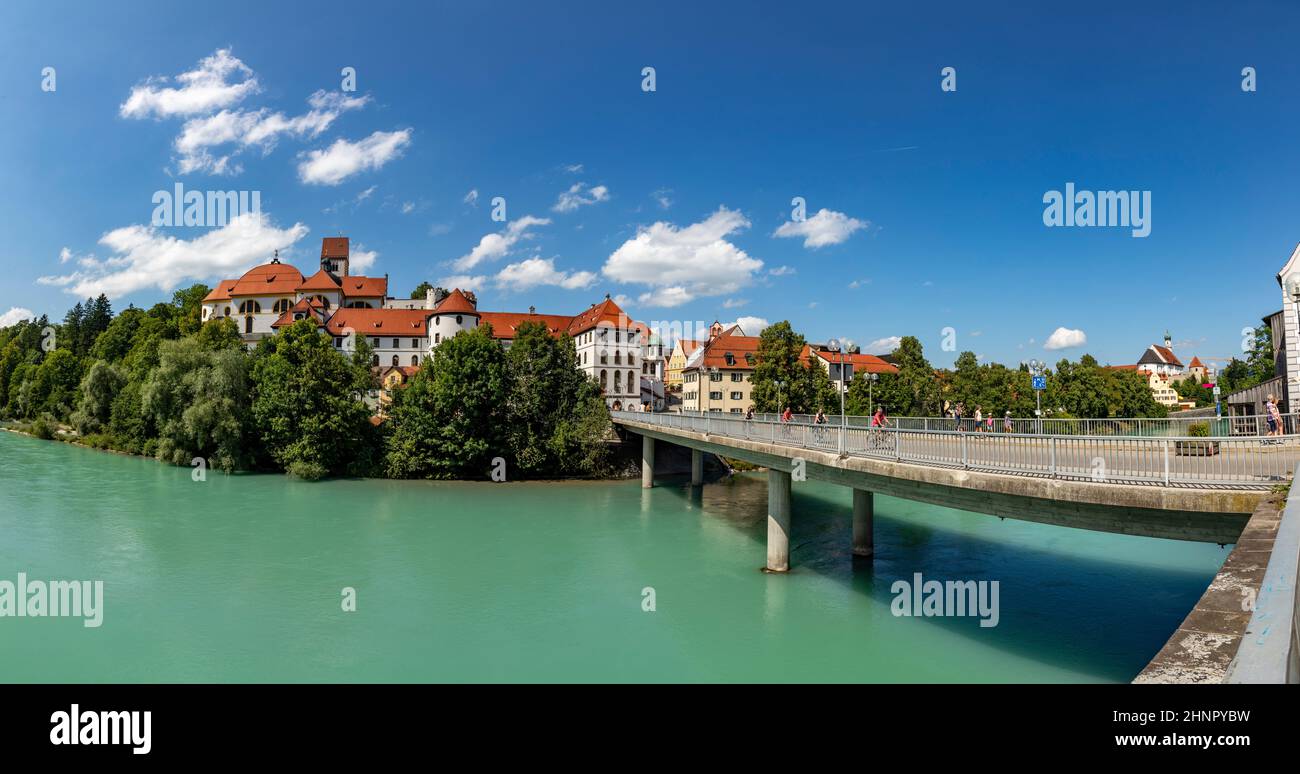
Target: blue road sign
1040, 382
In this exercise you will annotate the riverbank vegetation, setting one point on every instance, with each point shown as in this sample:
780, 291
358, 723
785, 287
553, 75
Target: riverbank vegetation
161, 383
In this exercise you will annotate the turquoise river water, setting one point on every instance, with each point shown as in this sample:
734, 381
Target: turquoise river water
241, 578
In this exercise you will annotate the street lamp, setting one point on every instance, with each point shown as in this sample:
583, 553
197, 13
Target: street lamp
779, 385
872, 378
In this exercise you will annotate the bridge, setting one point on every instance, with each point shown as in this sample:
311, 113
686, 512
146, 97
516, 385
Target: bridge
1180, 487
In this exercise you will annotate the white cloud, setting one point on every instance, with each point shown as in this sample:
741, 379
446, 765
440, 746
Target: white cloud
882, 346
15, 315
573, 169
855, 284
471, 198
532, 272
408, 208
1064, 338
662, 196
464, 282
254, 129
781, 271
65, 255
493, 246
361, 259
344, 159
574, 198
734, 303
752, 326
219, 81
685, 263
824, 228
143, 257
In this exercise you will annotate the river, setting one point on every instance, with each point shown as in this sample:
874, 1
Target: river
241, 578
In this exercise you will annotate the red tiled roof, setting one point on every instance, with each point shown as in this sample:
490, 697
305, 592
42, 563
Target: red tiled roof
504, 324
1196, 363
269, 279
689, 346
334, 247
605, 311
1162, 355
309, 305
367, 287
221, 292
715, 352
455, 302
321, 280
860, 362
379, 322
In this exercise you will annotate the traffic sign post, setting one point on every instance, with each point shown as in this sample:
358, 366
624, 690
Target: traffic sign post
1040, 384
1218, 407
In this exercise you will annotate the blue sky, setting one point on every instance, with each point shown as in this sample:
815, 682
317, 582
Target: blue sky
934, 199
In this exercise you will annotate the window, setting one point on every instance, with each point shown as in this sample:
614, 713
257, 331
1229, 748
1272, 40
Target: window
437, 320
374, 343
715, 395
737, 395
227, 311
249, 307
374, 360
338, 342
248, 324
394, 359
397, 344
604, 357
460, 320
618, 381
737, 377
281, 306
715, 377
631, 384
604, 380
618, 357
415, 360
735, 411
437, 338
415, 343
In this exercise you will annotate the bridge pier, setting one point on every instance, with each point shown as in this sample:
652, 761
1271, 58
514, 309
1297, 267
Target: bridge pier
697, 467
778, 520
864, 514
647, 462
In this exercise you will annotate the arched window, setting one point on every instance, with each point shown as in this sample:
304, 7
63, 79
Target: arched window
460, 320
604, 380
437, 320
618, 381
281, 306
374, 360
631, 383
415, 360
227, 311
248, 324
618, 357
394, 359
249, 307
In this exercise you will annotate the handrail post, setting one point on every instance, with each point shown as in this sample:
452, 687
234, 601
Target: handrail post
965, 462
1166, 448
841, 440
1052, 443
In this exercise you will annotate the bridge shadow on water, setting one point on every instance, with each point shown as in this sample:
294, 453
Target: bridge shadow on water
1098, 603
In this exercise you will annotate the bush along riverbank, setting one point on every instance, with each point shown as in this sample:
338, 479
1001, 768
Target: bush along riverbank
160, 383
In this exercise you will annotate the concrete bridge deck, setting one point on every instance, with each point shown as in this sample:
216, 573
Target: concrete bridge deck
1136, 486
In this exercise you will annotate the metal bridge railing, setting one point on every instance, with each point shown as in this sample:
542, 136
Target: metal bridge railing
1218, 462
1146, 427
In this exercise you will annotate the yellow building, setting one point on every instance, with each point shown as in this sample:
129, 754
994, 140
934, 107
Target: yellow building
682, 352
720, 378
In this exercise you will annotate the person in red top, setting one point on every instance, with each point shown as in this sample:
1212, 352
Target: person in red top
786, 416
878, 419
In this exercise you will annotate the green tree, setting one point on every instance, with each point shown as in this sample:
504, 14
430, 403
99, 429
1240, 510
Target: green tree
779, 376
307, 406
421, 290
99, 388
199, 401
448, 422
556, 416
913, 391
